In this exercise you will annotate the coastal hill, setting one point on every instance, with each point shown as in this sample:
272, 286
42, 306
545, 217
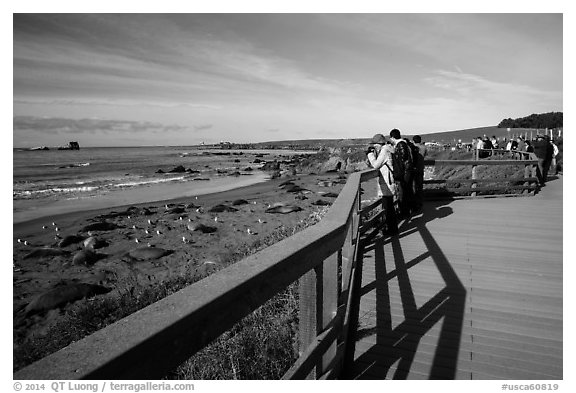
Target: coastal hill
465, 135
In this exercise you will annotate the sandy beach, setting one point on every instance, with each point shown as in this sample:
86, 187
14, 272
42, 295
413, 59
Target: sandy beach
167, 225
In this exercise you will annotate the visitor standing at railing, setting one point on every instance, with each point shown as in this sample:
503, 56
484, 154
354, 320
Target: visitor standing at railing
521, 146
544, 152
402, 158
379, 156
555, 152
418, 181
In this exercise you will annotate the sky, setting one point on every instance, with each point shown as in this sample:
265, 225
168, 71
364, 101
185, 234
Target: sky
183, 79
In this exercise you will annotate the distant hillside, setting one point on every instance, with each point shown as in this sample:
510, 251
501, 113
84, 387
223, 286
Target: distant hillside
540, 120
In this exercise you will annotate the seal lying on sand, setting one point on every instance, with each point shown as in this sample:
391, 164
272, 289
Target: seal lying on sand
148, 253
321, 202
239, 202
46, 252
222, 208
86, 257
283, 209
176, 210
72, 239
94, 243
196, 226
100, 226
61, 295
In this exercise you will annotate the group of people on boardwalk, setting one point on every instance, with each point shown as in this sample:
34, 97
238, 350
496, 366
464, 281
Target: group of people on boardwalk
401, 165
542, 146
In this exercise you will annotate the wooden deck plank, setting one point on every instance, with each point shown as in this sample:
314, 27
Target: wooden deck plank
472, 289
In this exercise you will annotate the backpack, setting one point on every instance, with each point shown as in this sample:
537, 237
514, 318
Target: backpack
417, 157
398, 165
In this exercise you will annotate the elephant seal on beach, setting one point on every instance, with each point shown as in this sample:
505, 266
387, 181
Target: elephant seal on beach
222, 208
100, 226
239, 202
148, 253
321, 202
46, 252
283, 209
62, 295
197, 226
86, 257
94, 243
68, 240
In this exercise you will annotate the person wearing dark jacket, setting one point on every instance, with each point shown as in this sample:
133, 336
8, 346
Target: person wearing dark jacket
404, 182
544, 151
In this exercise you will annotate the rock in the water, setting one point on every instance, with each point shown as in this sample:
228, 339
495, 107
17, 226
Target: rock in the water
46, 252
62, 295
148, 253
72, 239
178, 169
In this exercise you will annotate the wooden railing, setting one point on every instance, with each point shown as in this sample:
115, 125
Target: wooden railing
157, 339
499, 186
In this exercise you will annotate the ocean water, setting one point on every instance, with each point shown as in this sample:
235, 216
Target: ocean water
60, 181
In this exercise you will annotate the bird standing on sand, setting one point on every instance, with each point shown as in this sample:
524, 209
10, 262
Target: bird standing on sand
158, 232
251, 232
136, 240
261, 221
57, 229
53, 224
44, 226
146, 231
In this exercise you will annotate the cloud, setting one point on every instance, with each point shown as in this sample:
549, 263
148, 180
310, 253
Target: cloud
203, 127
55, 125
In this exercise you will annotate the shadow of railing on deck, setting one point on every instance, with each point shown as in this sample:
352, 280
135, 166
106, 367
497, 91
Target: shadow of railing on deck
398, 345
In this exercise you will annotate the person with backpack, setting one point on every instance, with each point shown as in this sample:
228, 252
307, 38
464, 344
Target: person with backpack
379, 156
403, 172
418, 155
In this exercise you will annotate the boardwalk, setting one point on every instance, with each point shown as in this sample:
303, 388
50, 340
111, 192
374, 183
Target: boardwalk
471, 289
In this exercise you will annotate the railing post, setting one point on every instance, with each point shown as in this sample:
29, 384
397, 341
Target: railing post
527, 174
310, 299
474, 178
318, 291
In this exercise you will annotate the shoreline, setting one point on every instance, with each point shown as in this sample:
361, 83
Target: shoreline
249, 191
191, 252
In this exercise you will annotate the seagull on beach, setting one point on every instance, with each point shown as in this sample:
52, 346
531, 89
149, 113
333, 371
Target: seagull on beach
251, 232
53, 224
146, 231
136, 240
261, 221
57, 229
44, 226
158, 232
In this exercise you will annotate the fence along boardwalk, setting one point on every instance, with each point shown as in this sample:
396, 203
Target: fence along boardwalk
470, 289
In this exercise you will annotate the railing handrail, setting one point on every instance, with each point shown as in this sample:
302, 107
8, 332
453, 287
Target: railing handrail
156, 339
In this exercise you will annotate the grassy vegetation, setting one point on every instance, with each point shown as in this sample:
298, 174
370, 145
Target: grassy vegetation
274, 324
